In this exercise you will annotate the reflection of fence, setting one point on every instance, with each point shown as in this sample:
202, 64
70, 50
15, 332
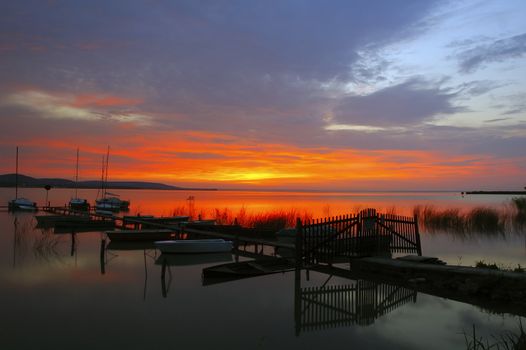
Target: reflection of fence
365, 233
345, 305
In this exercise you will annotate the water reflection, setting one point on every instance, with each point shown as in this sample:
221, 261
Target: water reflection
108, 253
166, 261
359, 302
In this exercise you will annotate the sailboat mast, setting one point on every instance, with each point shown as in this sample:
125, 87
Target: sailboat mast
16, 174
106, 178
77, 176
102, 179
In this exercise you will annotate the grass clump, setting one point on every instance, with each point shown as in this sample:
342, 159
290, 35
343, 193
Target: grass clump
506, 341
483, 265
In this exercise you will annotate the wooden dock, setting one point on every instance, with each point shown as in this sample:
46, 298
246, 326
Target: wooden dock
496, 290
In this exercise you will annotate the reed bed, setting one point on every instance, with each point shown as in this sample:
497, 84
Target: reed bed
507, 218
273, 220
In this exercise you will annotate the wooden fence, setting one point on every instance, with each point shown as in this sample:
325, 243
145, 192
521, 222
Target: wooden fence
329, 240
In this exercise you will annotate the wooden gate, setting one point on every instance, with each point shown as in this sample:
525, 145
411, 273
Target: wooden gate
367, 233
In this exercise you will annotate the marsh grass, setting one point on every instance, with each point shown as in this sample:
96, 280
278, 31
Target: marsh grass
479, 220
271, 221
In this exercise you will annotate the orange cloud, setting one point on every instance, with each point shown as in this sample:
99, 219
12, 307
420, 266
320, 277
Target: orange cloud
104, 101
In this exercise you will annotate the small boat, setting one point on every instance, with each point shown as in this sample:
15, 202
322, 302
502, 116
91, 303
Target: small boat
112, 204
79, 204
140, 235
84, 226
20, 203
245, 269
150, 221
194, 246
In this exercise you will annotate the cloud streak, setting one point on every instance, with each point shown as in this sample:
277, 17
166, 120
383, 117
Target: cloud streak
67, 106
497, 51
411, 102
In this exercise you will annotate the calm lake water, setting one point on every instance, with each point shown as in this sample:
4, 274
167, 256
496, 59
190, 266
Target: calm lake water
56, 294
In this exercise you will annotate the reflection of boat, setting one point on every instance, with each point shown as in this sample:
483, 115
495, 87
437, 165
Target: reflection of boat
140, 235
78, 203
116, 245
247, 269
20, 203
194, 246
193, 259
168, 260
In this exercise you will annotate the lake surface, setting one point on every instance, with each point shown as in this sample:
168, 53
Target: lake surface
58, 291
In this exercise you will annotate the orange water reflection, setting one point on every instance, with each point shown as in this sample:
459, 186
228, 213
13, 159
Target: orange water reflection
317, 204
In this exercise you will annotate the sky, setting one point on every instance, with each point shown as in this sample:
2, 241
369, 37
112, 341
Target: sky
325, 95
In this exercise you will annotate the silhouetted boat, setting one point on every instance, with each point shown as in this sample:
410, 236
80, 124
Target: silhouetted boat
190, 246
245, 269
52, 220
140, 235
112, 203
20, 203
91, 225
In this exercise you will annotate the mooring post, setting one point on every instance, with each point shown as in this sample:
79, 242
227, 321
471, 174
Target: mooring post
417, 236
163, 279
299, 242
102, 256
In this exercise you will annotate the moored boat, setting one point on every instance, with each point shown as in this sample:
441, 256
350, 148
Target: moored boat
245, 269
52, 220
112, 204
79, 204
191, 246
140, 235
20, 203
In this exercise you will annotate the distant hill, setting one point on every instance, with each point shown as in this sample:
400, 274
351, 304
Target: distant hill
8, 180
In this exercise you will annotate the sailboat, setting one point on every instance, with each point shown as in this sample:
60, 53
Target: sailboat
111, 202
77, 203
20, 203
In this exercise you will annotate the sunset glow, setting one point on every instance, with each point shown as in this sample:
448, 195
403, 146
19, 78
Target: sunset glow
219, 96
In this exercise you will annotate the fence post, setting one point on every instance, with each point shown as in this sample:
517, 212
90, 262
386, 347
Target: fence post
417, 235
299, 242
